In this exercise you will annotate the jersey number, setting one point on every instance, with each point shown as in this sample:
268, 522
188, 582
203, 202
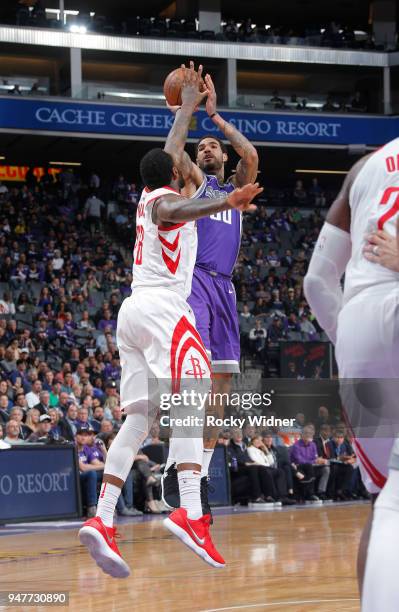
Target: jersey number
138, 247
386, 196
224, 216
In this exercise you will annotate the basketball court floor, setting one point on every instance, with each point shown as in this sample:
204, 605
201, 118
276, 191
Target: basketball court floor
291, 560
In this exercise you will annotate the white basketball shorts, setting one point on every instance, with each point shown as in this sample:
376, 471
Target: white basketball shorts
157, 341
368, 348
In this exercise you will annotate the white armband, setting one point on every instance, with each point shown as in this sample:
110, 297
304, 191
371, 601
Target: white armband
322, 283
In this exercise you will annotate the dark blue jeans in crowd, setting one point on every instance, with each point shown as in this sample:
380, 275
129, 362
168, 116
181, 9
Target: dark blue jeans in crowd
88, 483
126, 497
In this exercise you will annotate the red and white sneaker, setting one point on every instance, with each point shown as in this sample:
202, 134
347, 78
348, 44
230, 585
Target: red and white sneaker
195, 534
100, 541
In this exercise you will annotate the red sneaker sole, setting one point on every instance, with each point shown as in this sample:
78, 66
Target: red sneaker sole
183, 536
110, 563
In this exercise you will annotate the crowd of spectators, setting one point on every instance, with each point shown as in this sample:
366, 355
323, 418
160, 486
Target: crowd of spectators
334, 103
276, 248
32, 13
65, 267
312, 462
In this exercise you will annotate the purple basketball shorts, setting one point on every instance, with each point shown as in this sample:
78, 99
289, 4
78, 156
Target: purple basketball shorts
213, 301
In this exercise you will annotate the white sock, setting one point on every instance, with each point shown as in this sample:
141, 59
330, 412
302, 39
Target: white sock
190, 493
206, 460
106, 503
381, 586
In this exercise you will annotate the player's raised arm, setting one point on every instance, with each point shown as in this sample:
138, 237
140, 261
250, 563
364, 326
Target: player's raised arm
322, 283
247, 167
176, 140
176, 209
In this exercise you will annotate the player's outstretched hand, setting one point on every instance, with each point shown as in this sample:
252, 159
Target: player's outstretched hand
212, 98
242, 197
382, 248
193, 90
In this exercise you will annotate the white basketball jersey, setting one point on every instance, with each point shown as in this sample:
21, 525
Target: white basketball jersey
374, 203
163, 256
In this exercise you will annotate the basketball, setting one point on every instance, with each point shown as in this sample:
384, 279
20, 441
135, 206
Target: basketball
172, 86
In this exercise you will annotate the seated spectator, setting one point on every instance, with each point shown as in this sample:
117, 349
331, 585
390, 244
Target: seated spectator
32, 421
107, 322
7, 305
117, 419
224, 437
17, 415
322, 441
105, 339
56, 416
329, 106
96, 445
147, 470
4, 405
3, 189
343, 460
292, 324
308, 466
257, 337
277, 101
259, 484
358, 103
323, 418
13, 433
90, 469
317, 194
230, 30
86, 322
112, 398
3, 444
273, 259
19, 399
306, 325
44, 403
68, 424
276, 331
275, 444
299, 193
276, 304
42, 434
98, 417
106, 427
246, 322
264, 456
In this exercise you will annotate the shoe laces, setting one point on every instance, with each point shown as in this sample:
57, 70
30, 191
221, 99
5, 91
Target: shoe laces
206, 519
115, 534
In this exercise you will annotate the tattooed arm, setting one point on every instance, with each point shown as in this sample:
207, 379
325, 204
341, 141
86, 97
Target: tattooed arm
175, 143
172, 209
247, 167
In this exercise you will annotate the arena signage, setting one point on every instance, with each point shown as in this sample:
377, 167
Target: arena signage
18, 173
38, 482
93, 118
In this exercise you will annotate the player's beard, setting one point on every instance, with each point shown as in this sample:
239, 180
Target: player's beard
211, 167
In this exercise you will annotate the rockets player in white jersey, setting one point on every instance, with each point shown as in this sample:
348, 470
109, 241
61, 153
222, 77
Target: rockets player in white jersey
363, 323
157, 340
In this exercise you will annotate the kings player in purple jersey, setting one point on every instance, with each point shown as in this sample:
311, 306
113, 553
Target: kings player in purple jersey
213, 298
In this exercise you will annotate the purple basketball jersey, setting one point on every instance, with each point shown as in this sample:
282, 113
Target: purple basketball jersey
219, 235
